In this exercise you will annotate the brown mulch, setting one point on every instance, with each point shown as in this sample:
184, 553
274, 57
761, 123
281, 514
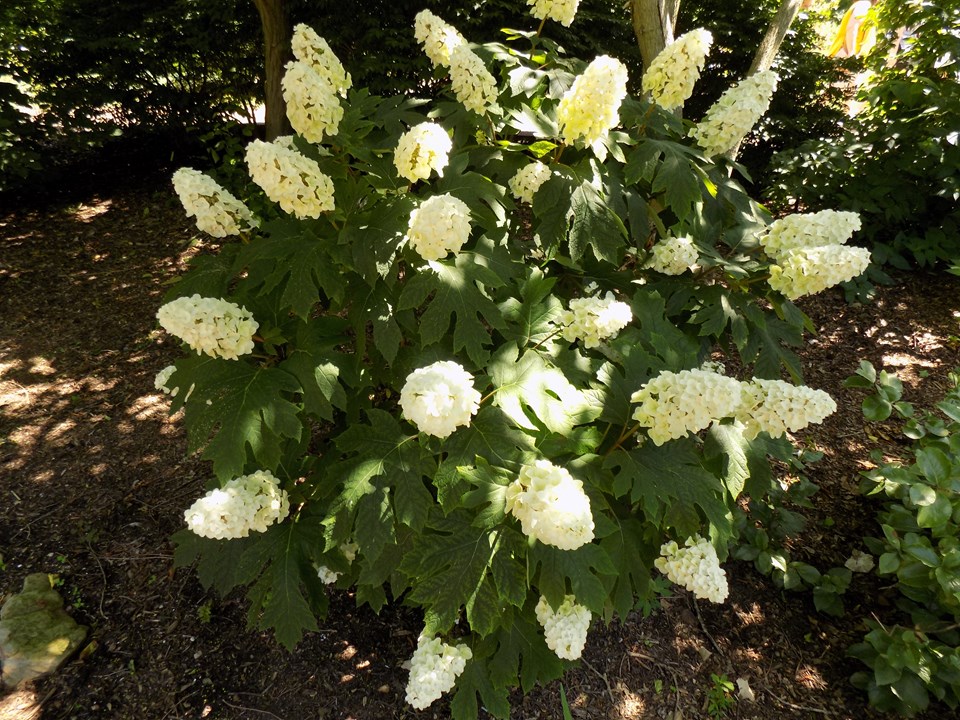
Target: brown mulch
93, 481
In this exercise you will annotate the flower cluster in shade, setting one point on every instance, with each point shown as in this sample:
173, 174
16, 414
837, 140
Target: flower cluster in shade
593, 320
212, 326
673, 256
776, 407
329, 576
248, 503
311, 84
528, 179
441, 225
218, 212
439, 398
421, 150
673, 73
437, 37
736, 112
472, 83
590, 108
434, 668
695, 566
564, 629
551, 505
290, 178
562, 11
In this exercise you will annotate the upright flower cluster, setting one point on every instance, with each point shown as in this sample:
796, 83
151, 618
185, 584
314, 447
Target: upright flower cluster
213, 326
564, 629
696, 567
420, 150
528, 179
802, 230
440, 225
775, 407
472, 83
735, 113
439, 398
590, 108
562, 11
312, 105
434, 668
551, 506
218, 213
437, 37
249, 502
806, 271
673, 73
310, 48
673, 256
290, 179
593, 320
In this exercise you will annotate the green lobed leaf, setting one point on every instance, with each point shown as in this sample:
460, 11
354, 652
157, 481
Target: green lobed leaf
315, 363
585, 571
595, 225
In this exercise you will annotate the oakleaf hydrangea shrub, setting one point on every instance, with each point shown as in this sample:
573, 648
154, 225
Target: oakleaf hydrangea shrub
466, 367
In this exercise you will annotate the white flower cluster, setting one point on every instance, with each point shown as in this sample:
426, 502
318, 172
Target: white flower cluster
673, 73
439, 398
551, 506
160, 381
563, 11
590, 108
434, 668
736, 112
420, 150
806, 271
213, 326
592, 320
472, 83
440, 225
673, 256
249, 502
564, 629
437, 37
218, 213
528, 179
775, 407
802, 230
290, 179
696, 567
312, 104
310, 48
328, 576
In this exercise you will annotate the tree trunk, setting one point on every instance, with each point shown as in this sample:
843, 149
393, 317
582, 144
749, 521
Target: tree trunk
276, 38
770, 45
648, 27
668, 19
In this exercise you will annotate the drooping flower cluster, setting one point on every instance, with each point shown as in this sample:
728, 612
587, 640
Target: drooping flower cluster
775, 407
803, 230
247, 503
218, 212
310, 48
673, 256
736, 112
439, 398
440, 225
806, 271
528, 179
327, 575
437, 37
562, 11
673, 73
590, 108
551, 506
470, 80
434, 668
696, 567
313, 108
290, 179
564, 629
213, 326
420, 150
593, 320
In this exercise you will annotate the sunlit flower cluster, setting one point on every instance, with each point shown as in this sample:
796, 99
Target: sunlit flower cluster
310, 48
673, 256
434, 668
551, 506
210, 325
564, 629
806, 271
696, 567
736, 112
313, 108
590, 108
528, 179
775, 407
247, 503
420, 150
290, 179
593, 320
673, 73
440, 225
162, 378
439, 398
218, 213
437, 37
470, 80
802, 230
562, 11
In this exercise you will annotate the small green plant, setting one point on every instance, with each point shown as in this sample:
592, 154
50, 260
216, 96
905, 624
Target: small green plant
720, 698
204, 612
564, 705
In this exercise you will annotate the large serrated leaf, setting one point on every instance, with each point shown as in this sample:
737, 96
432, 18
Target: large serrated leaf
523, 652
585, 570
313, 361
595, 225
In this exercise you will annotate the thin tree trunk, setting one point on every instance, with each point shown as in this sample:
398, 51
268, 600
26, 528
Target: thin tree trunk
276, 38
668, 19
648, 27
770, 45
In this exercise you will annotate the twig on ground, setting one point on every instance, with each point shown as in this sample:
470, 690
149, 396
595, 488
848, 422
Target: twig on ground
602, 677
703, 626
103, 575
794, 705
241, 707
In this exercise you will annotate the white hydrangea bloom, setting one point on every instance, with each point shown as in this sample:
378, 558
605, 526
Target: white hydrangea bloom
860, 562
562, 11
528, 179
423, 148
674, 404
673, 73
313, 108
160, 381
776, 407
437, 37
439, 398
247, 503
472, 83
736, 112
806, 271
326, 575
673, 256
434, 668
213, 326
592, 320
696, 567
310, 48
590, 108
564, 629
551, 506
440, 225
290, 179
349, 551
218, 213
800, 230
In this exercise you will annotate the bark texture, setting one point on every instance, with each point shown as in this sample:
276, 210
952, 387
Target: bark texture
276, 39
